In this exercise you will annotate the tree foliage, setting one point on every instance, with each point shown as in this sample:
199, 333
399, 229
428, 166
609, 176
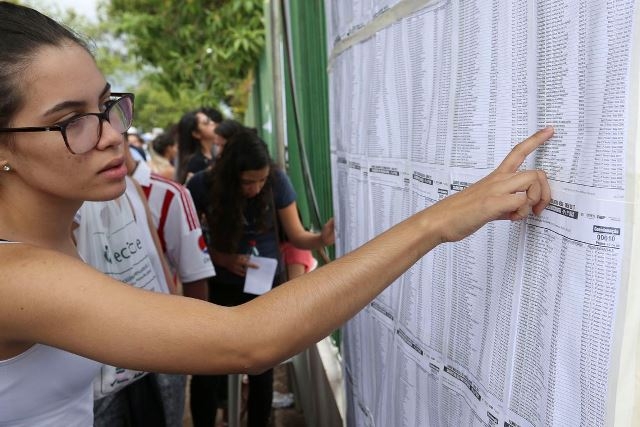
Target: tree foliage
176, 55
196, 51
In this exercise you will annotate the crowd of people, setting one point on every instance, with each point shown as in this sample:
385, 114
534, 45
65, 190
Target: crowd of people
92, 220
248, 200
210, 209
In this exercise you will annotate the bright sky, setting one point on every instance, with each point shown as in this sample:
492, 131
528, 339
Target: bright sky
82, 7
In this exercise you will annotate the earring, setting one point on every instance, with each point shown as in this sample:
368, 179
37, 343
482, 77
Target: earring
6, 168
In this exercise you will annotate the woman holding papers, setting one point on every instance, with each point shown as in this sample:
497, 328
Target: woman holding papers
61, 143
246, 200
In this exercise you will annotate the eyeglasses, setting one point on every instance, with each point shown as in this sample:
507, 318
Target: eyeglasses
82, 132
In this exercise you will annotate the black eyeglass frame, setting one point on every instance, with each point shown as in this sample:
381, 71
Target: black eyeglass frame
62, 126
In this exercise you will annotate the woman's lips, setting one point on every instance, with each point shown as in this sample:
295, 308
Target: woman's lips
115, 169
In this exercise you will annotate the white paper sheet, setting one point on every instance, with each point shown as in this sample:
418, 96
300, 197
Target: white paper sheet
259, 280
516, 324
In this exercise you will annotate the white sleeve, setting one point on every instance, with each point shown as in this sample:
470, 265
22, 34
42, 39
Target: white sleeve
183, 240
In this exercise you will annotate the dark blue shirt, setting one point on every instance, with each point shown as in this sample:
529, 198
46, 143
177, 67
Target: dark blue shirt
266, 240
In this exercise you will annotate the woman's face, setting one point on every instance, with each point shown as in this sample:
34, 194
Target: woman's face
219, 141
63, 82
252, 182
205, 128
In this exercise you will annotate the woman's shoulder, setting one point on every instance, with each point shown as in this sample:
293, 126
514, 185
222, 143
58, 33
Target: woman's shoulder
283, 188
279, 173
26, 257
280, 178
9, 247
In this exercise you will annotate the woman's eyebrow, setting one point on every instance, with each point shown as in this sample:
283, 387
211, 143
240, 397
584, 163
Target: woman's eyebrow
74, 104
64, 106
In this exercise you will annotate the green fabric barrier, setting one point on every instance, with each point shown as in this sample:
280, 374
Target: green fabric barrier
307, 33
308, 48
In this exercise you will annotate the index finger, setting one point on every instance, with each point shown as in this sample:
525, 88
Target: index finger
519, 153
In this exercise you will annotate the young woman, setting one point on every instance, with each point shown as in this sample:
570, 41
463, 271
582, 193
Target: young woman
196, 140
242, 197
61, 143
224, 131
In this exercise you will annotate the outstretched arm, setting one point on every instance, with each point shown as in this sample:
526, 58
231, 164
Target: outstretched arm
297, 234
335, 292
54, 299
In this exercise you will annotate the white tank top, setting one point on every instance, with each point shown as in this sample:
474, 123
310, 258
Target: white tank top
47, 387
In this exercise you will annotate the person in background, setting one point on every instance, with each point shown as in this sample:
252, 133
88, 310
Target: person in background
203, 388
101, 229
181, 241
175, 219
164, 151
195, 144
125, 407
61, 143
243, 198
297, 261
214, 114
136, 144
223, 132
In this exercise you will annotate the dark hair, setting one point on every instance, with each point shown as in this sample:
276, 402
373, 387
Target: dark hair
23, 31
162, 142
213, 114
245, 151
227, 128
188, 145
